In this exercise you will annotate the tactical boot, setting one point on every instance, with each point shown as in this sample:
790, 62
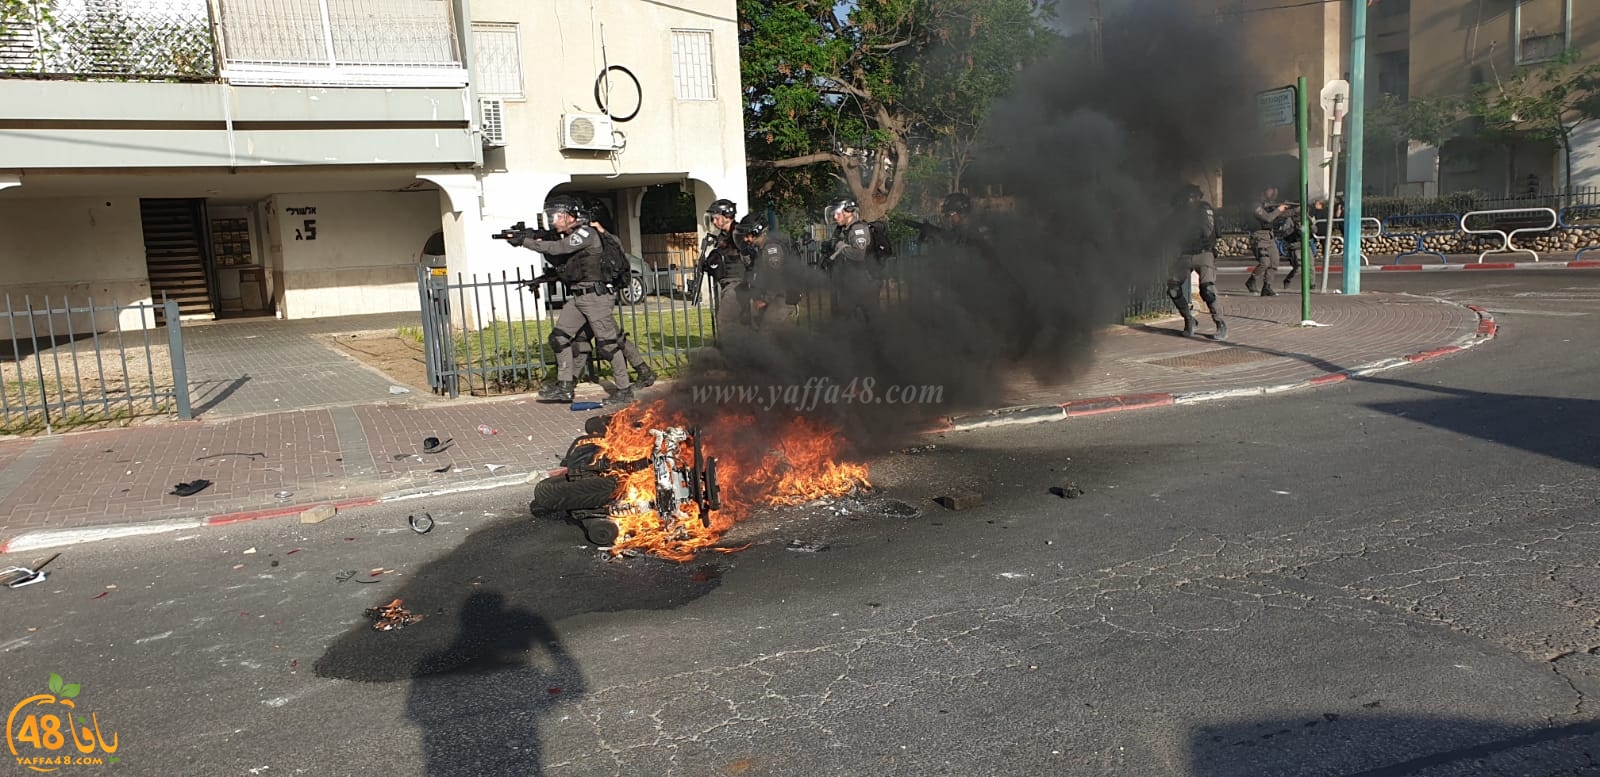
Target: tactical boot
1250, 284
1268, 291
647, 376
1222, 328
1189, 323
621, 397
560, 391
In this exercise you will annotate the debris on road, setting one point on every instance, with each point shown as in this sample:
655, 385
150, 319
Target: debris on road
191, 488
17, 577
807, 547
916, 449
1068, 492
340, 577
487, 430
960, 500
397, 390
421, 524
578, 406
248, 551
435, 445
283, 495
493, 467
318, 514
392, 616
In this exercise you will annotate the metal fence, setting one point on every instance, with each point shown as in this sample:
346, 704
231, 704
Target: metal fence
66, 365
406, 42
110, 39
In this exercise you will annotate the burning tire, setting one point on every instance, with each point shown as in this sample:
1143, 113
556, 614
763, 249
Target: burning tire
601, 531
562, 495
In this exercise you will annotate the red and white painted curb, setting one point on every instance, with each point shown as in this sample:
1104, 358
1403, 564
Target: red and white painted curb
1584, 264
54, 538
1029, 414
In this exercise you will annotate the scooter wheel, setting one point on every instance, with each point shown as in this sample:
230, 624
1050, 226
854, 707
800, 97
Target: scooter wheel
602, 531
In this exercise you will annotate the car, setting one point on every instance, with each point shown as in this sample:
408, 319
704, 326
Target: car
643, 281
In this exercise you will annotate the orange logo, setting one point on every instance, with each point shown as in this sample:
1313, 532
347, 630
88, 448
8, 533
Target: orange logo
43, 724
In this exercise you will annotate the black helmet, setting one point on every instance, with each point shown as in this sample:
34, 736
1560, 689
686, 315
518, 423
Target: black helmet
1186, 193
956, 202
751, 225
722, 208
843, 203
562, 203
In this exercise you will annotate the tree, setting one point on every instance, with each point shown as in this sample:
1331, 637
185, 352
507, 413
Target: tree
1393, 124
848, 89
1547, 102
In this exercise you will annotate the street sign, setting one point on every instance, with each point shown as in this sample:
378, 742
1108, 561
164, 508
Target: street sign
1336, 99
1276, 107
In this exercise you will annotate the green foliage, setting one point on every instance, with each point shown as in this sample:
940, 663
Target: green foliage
1547, 101
854, 92
1424, 120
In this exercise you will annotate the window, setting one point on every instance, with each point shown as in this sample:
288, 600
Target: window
692, 76
1544, 27
1394, 74
497, 60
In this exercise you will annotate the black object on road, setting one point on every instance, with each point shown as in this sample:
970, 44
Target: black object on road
191, 488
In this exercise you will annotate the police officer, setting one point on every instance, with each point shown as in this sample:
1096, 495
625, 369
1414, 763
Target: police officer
575, 253
1264, 242
1290, 230
773, 276
630, 352
852, 259
960, 227
1195, 226
721, 259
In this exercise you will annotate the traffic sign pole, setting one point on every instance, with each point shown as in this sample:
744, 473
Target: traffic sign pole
1302, 128
1358, 91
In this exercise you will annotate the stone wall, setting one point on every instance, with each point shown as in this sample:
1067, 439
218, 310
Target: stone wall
1563, 241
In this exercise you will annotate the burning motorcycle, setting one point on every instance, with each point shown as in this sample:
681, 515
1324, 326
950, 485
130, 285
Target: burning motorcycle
588, 485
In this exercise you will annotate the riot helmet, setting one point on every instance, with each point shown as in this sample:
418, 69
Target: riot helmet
721, 209
563, 204
838, 206
751, 226
956, 203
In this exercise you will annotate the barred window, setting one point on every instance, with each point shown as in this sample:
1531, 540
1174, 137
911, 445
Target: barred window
497, 59
692, 74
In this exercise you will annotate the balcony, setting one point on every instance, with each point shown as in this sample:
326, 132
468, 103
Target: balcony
243, 42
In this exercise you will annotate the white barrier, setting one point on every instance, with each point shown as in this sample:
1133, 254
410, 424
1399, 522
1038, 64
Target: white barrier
1370, 227
1505, 237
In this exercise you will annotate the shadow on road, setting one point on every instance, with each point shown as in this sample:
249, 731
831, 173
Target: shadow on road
1558, 427
1382, 745
478, 701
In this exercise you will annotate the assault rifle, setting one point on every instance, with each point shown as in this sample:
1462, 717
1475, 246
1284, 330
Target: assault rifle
519, 233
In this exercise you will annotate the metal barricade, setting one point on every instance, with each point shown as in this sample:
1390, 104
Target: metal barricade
488, 333
1532, 220
1580, 218
1420, 227
65, 365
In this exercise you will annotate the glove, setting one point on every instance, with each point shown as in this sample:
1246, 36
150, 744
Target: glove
518, 238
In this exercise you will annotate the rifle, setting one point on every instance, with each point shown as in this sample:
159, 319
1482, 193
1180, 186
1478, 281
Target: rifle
533, 284
519, 233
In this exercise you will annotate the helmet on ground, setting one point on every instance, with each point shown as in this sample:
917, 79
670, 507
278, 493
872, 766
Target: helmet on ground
753, 225
722, 208
956, 202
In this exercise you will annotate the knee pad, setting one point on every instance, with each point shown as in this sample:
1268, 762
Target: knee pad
560, 340
1175, 291
608, 348
1208, 292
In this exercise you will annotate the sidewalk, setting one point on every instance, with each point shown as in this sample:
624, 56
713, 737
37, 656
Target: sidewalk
99, 484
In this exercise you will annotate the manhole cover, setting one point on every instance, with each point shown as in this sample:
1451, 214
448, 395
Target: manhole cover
1220, 357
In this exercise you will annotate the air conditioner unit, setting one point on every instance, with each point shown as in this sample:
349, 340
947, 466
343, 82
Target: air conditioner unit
493, 121
587, 132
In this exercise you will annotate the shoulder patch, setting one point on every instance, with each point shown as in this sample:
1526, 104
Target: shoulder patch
772, 249
576, 239
860, 240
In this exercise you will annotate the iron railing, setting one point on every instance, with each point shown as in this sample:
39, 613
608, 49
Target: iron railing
107, 39
66, 365
355, 42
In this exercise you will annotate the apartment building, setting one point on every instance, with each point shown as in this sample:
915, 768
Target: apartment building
260, 157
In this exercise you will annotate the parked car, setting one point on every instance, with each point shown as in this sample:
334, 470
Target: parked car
643, 281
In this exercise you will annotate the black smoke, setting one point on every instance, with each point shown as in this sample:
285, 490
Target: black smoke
1090, 156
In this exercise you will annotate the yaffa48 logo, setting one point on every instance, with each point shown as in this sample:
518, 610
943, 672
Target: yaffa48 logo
40, 727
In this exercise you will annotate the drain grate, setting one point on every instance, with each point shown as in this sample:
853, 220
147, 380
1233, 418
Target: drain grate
1220, 357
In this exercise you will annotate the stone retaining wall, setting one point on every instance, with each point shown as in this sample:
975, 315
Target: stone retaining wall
1557, 242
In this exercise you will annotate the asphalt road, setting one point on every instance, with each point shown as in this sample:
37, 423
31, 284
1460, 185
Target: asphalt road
1389, 576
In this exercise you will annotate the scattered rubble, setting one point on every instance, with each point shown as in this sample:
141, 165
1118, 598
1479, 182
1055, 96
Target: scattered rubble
318, 514
191, 488
421, 524
916, 449
1068, 492
807, 547
391, 616
960, 500
397, 390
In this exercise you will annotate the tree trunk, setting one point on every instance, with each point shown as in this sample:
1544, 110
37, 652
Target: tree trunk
1566, 157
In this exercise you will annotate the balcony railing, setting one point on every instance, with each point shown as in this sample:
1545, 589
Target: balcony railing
107, 39
288, 42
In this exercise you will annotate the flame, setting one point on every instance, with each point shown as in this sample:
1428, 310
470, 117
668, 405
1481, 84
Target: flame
802, 461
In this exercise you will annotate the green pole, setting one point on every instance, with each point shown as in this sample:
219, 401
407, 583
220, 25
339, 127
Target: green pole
1354, 152
1303, 128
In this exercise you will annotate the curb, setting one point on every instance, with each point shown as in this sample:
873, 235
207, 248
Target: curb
1583, 264
1486, 330
55, 538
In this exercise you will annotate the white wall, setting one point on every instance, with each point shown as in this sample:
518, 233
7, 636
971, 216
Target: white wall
362, 258
1585, 156
77, 248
